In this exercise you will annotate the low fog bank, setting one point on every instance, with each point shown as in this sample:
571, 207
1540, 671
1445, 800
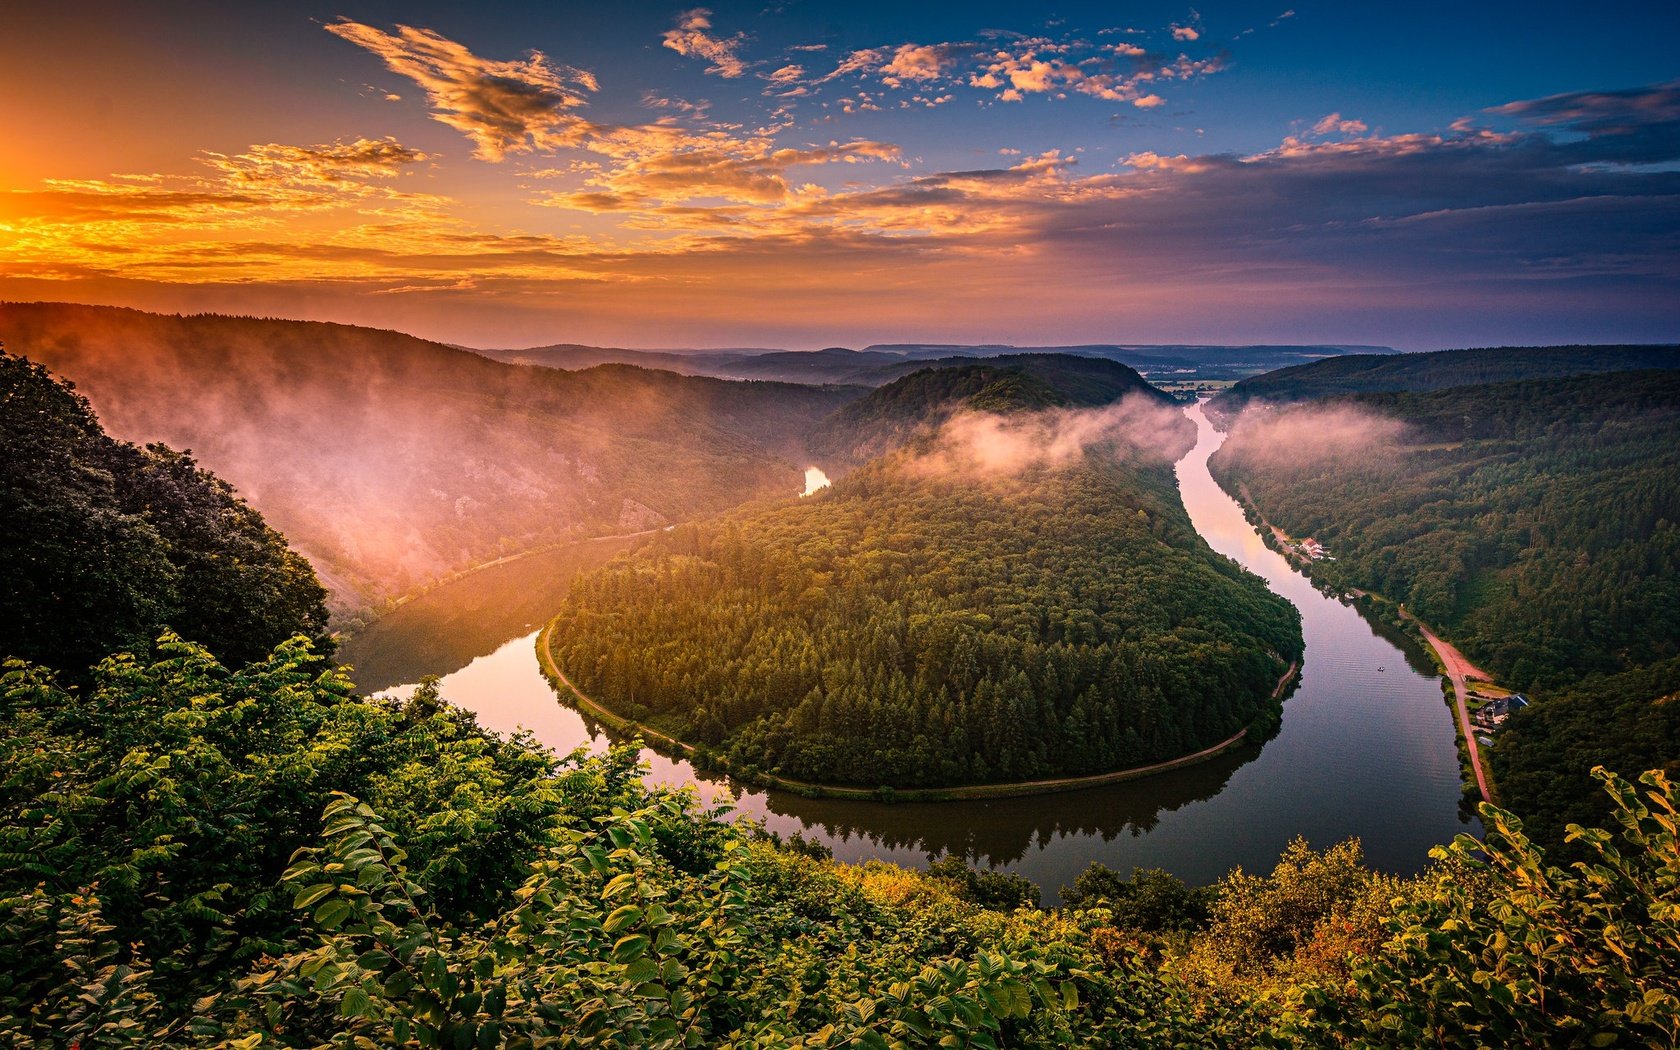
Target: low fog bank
993, 445
1309, 435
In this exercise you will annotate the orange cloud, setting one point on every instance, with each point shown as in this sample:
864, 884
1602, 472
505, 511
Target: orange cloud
503, 107
691, 38
1333, 124
916, 62
273, 163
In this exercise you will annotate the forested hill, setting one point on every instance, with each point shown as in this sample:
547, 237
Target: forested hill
918, 403
1534, 524
391, 460
105, 544
1368, 373
1019, 595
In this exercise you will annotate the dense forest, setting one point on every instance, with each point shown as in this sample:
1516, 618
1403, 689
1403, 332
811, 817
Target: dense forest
390, 461
1536, 524
106, 543
919, 626
198, 855
1370, 373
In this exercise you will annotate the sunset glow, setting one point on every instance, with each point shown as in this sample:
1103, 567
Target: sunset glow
808, 175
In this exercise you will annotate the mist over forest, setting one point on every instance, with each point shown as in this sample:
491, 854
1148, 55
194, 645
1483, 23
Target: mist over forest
804, 526
1000, 593
391, 461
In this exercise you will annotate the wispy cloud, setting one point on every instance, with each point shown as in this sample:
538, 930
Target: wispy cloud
1333, 124
1602, 112
277, 164
655, 166
692, 37
1011, 67
987, 445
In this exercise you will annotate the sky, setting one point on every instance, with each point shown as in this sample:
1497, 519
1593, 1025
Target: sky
801, 174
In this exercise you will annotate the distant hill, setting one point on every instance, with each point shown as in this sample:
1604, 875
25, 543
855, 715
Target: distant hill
390, 460
920, 401
1154, 357
882, 363
1364, 373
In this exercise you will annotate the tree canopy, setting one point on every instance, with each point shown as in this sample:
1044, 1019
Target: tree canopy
106, 543
1440, 369
919, 624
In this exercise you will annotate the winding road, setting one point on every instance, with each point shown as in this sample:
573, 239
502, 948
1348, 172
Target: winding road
1459, 669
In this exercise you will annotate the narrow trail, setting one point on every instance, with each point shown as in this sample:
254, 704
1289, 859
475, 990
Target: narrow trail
551, 668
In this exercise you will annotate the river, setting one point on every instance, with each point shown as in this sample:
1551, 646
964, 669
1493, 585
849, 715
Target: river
1366, 748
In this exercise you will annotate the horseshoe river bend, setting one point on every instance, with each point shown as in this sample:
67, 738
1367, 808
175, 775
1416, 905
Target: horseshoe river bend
1366, 748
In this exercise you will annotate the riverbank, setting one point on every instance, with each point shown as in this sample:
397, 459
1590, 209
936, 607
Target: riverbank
671, 746
1359, 752
1451, 663
1459, 670
367, 617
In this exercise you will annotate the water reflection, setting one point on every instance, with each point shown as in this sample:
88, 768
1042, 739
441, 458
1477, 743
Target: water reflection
1362, 752
446, 628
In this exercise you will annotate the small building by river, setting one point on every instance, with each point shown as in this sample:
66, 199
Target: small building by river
1493, 714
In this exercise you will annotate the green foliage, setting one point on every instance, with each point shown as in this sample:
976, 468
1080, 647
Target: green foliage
163, 884
1308, 915
172, 792
989, 889
1151, 901
1629, 722
1500, 948
909, 631
105, 543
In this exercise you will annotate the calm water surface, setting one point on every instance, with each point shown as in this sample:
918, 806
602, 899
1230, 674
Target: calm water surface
1366, 747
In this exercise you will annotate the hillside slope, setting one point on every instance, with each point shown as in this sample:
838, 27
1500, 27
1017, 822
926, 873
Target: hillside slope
919, 403
1367, 373
1535, 524
391, 460
106, 544
880, 364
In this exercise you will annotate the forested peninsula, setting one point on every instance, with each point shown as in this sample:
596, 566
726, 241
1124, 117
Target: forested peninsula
937, 618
